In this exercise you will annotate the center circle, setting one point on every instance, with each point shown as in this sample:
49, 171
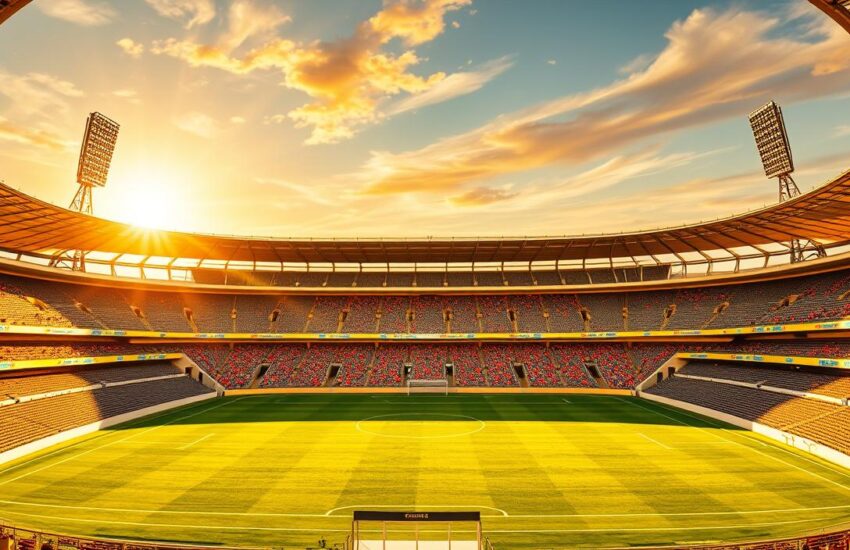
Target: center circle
420, 425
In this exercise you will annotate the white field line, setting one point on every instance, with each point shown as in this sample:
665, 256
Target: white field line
811, 473
655, 441
302, 529
192, 444
52, 464
502, 513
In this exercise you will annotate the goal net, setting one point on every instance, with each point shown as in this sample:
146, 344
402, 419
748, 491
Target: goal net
440, 387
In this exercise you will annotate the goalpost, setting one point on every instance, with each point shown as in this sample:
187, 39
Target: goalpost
385, 530
438, 386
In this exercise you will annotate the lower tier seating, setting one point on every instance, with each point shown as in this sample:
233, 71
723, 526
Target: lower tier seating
825, 423
29, 383
23, 423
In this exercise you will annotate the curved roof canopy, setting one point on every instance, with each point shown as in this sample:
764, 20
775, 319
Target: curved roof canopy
9, 7
32, 227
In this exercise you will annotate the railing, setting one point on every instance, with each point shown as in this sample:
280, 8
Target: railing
14, 538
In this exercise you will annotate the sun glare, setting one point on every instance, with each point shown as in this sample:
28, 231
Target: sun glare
149, 200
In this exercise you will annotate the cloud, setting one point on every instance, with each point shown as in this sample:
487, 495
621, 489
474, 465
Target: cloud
30, 136
346, 79
454, 85
481, 196
196, 123
636, 65
130, 95
552, 62
198, 12
80, 12
37, 94
237, 120
131, 47
716, 65
842, 130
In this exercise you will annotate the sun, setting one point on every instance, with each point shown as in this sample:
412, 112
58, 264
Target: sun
149, 199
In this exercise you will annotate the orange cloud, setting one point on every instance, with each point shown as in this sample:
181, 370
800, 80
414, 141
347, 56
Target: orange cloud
29, 136
481, 196
131, 47
715, 65
347, 79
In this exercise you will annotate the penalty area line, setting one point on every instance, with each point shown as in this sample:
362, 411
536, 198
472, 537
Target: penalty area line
192, 444
643, 435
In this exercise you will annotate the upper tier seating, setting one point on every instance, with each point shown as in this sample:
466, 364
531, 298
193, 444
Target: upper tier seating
361, 314
803, 299
430, 279
428, 315
394, 312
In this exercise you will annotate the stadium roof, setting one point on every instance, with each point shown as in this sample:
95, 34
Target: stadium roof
29, 226
839, 10
9, 7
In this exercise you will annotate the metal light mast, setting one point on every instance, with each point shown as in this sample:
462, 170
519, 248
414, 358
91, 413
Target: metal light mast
774, 149
92, 170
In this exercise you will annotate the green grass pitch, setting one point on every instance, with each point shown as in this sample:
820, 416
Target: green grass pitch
546, 471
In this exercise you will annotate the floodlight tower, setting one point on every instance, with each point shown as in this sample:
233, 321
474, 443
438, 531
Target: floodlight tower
95, 158
775, 151
92, 170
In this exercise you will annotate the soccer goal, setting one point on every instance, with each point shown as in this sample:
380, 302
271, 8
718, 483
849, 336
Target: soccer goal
380, 530
439, 387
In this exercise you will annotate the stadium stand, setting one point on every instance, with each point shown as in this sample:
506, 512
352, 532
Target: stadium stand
393, 314
564, 313
803, 299
28, 421
388, 367
429, 315
462, 313
499, 361
823, 422
831, 384
361, 314
428, 362
282, 362
528, 312
466, 365
494, 314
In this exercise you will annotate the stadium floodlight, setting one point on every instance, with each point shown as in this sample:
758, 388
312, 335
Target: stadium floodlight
97, 149
92, 170
774, 148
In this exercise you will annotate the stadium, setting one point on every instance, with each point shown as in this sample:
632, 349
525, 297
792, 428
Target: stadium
683, 387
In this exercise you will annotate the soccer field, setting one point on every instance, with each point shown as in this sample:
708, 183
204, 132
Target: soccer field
544, 470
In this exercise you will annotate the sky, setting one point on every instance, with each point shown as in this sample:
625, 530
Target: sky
417, 118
